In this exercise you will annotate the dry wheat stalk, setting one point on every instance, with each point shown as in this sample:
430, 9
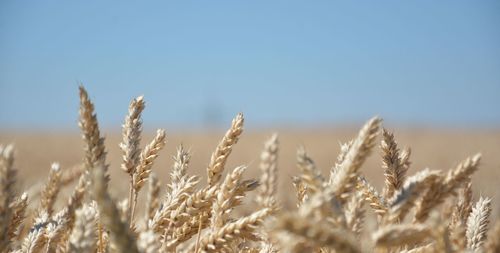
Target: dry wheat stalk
141, 173
439, 190
132, 129
153, 198
344, 149
18, 208
300, 189
51, 189
376, 202
346, 175
93, 145
394, 169
311, 176
7, 193
56, 229
459, 217
269, 167
477, 224
218, 239
406, 197
225, 197
223, 150
354, 213
130, 145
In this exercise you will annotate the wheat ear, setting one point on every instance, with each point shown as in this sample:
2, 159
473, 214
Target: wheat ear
51, 189
93, 143
354, 213
477, 224
7, 193
223, 150
394, 169
344, 149
225, 197
219, 239
130, 145
370, 195
346, 175
269, 167
18, 208
437, 193
36, 239
406, 197
181, 188
141, 173
132, 129
310, 174
300, 190
153, 197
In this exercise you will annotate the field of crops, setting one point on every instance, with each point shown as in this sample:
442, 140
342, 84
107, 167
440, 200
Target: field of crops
244, 190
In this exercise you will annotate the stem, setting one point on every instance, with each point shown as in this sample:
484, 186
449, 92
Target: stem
135, 193
198, 237
130, 197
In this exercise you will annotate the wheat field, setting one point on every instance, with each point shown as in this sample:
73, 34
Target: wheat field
367, 188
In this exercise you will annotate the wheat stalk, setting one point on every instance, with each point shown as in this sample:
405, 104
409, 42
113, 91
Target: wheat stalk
93, 145
269, 167
394, 168
311, 176
437, 193
141, 173
346, 175
477, 224
223, 150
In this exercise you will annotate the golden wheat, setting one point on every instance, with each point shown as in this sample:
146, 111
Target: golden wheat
185, 216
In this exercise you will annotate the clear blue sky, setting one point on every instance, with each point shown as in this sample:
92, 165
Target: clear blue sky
280, 62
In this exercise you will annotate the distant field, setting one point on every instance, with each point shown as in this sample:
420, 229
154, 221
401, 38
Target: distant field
435, 149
